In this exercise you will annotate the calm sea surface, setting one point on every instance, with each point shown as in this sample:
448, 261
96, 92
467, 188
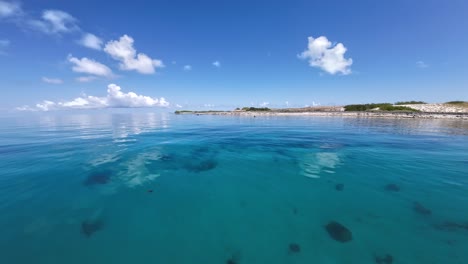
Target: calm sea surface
163, 188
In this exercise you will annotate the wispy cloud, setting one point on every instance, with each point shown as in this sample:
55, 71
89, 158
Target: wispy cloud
217, 64
54, 22
89, 66
187, 68
421, 64
85, 79
115, 99
264, 104
321, 53
9, 9
4, 44
91, 41
123, 51
52, 80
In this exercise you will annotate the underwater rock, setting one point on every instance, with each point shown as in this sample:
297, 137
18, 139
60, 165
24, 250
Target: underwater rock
392, 187
150, 191
166, 157
339, 187
420, 209
294, 248
89, 227
97, 178
202, 166
452, 226
387, 259
234, 259
338, 232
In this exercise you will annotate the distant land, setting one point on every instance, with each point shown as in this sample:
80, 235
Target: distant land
408, 109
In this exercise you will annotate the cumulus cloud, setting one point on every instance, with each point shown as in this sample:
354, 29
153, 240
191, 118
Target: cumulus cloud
321, 53
187, 68
91, 41
55, 22
115, 99
52, 80
421, 64
89, 66
123, 51
85, 79
217, 64
264, 104
9, 9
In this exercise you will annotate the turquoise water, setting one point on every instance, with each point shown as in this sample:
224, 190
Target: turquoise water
163, 188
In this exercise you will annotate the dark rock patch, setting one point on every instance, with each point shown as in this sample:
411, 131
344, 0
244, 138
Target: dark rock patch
339, 187
387, 259
89, 227
166, 157
97, 178
205, 165
234, 259
339, 232
150, 191
392, 187
452, 226
420, 209
294, 248
295, 211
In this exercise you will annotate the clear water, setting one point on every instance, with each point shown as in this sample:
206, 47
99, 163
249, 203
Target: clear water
162, 188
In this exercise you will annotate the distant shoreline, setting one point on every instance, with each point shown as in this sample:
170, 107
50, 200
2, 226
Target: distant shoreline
381, 114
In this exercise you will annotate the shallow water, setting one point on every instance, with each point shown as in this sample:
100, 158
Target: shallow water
163, 188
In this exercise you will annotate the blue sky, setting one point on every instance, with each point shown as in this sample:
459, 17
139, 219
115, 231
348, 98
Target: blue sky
360, 51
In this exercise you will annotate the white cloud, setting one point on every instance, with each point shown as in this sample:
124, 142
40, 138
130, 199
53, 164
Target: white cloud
178, 106
84, 79
217, 64
4, 43
91, 41
187, 68
115, 99
264, 104
421, 64
323, 54
55, 22
9, 9
52, 80
123, 51
89, 66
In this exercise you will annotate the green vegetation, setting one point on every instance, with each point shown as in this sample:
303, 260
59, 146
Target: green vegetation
253, 109
364, 107
182, 111
410, 102
457, 102
381, 107
398, 108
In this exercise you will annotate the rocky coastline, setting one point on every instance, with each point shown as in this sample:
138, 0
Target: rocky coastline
424, 111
